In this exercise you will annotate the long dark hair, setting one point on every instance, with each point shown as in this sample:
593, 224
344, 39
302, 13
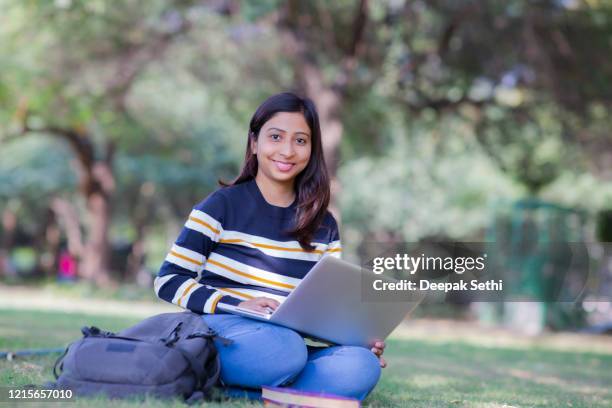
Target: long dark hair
312, 184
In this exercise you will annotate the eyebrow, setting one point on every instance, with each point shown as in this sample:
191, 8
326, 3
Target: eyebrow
281, 130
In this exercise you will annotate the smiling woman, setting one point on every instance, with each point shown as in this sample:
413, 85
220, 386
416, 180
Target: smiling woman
282, 152
250, 243
284, 141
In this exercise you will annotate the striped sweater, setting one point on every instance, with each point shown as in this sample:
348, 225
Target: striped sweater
234, 247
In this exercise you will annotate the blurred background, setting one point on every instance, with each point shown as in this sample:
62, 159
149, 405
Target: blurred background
442, 120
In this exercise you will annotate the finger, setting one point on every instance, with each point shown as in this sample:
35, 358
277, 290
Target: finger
259, 308
376, 351
273, 303
383, 362
260, 301
378, 344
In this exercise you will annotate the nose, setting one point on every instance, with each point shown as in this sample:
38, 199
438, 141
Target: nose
287, 149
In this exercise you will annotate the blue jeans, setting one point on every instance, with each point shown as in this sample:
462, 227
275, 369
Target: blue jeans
266, 354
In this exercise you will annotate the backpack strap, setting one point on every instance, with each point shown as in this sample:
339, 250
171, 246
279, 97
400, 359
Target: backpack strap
215, 365
211, 334
212, 380
59, 364
95, 332
196, 366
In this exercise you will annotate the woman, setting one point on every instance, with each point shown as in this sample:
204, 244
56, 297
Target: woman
250, 243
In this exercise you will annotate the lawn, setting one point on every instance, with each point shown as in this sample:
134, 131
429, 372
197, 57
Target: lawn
421, 373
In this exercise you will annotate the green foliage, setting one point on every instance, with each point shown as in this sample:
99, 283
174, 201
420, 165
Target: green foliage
435, 182
529, 144
34, 167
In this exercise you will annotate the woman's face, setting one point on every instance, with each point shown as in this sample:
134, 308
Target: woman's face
283, 147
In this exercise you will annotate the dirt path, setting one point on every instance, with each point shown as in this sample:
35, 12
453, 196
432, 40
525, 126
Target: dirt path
24, 298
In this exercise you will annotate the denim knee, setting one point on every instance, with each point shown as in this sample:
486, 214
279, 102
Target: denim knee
342, 370
365, 370
262, 354
290, 356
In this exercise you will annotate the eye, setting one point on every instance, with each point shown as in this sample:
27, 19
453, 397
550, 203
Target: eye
301, 141
275, 137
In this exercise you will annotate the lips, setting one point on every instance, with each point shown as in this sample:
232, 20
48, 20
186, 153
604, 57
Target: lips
283, 166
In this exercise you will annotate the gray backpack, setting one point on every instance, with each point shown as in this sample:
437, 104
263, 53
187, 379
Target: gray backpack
166, 356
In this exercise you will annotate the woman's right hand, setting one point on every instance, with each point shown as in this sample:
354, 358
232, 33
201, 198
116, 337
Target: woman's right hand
259, 304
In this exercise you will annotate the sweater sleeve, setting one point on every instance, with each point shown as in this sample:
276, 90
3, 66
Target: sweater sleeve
334, 247
179, 280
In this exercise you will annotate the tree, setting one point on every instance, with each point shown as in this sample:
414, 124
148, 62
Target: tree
118, 84
62, 101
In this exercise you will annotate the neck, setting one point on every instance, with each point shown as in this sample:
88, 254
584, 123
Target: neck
275, 193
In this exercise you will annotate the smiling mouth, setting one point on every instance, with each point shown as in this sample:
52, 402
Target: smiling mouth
283, 166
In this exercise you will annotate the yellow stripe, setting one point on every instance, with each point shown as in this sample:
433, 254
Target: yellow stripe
334, 250
246, 275
231, 241
235, 292
214, 305
207, 225
186, 258
185, 292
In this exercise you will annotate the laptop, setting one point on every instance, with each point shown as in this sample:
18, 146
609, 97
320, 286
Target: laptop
327, 305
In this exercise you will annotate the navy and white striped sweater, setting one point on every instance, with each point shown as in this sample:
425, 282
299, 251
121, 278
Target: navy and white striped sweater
233, 247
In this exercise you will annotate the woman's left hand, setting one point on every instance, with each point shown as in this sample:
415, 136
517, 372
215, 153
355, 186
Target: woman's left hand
378, 348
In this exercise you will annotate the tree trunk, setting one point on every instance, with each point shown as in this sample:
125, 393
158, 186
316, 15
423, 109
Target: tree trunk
96, 183
327, 95
94, 266
328, 103
9, 226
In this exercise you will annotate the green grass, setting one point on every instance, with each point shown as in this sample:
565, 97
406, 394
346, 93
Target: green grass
420, 373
